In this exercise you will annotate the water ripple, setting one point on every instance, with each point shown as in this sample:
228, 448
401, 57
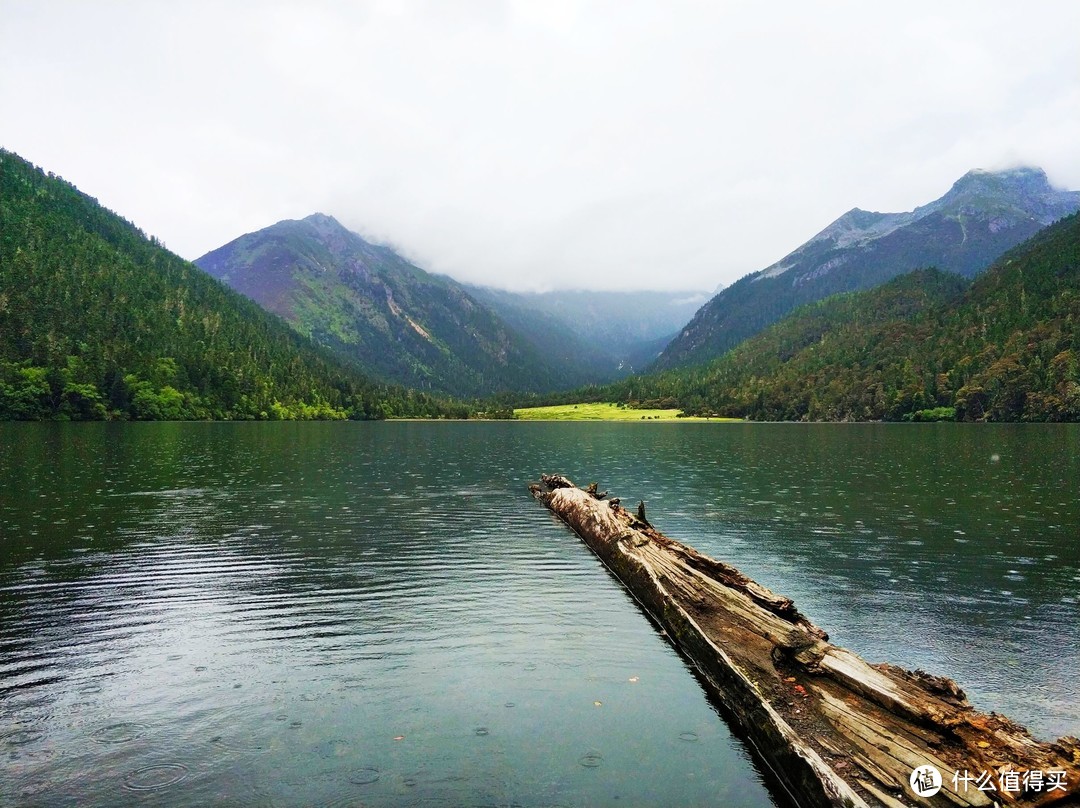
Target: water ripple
281, 604
157, 776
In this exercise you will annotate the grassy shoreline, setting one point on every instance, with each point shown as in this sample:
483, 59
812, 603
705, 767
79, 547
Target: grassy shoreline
607, 412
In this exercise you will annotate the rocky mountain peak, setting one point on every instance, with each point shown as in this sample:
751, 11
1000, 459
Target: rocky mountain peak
1021, 192
326, 225
1022, 178
323, 220
1015, 184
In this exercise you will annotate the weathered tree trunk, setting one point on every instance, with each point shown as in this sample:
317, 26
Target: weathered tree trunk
834, 730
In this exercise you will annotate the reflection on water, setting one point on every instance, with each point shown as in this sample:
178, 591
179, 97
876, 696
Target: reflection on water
335, 614
325, 615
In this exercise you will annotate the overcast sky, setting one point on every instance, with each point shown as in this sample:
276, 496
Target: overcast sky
544, 144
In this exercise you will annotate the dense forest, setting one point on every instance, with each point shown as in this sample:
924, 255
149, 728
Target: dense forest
97, 321
926, 346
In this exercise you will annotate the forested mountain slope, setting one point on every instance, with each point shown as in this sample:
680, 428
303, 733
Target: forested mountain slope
97, 321
1005, 348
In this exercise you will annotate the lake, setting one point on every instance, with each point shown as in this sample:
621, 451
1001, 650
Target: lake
379, 614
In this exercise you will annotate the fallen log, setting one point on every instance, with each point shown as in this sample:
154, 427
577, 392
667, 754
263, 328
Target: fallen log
833, 729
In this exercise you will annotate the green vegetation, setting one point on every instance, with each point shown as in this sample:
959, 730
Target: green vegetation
98, 321
923, 346
603, 412
934, 414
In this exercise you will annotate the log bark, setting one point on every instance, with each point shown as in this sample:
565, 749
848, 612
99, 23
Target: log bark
833, 729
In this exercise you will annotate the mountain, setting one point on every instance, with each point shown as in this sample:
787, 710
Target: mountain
926, 345
616, 332
983, 215
368, 303
582, 361
98, 321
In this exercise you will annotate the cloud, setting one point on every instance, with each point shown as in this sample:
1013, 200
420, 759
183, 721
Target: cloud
537, 144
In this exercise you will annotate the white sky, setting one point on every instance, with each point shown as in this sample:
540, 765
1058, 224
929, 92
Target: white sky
544, 144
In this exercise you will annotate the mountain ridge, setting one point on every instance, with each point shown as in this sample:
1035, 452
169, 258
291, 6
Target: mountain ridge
925, 345
983, 214
394, 319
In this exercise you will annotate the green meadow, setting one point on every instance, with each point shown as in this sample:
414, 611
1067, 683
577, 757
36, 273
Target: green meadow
602, 412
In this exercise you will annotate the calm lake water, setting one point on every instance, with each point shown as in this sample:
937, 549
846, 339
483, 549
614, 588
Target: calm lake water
379, 614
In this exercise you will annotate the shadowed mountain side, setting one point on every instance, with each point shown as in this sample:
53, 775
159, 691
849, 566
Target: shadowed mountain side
582, 361
622, 331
